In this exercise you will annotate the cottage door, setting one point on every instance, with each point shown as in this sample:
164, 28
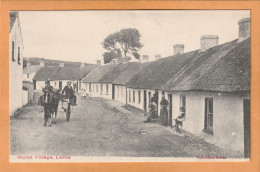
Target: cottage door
246, 103
170, 109
144, 100
60, 85
34, 84
113, 91
156, 100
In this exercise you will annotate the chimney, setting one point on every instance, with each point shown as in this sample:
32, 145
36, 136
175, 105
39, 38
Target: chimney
244, 28
61, 64
42, 62
144, 58
208, 41
82, 65
178, 49
157, 57
29, 64
98, 62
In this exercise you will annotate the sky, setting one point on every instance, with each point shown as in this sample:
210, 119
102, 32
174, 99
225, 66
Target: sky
77, 35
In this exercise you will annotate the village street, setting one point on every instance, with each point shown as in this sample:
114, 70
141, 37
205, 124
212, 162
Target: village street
100, 127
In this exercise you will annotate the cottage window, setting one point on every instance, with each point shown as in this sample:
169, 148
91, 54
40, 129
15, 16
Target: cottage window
107, 89
183, 103
19, 60
149, 96
208, 120
129, 96
28, 75
133, 96
117, 91
96, 88
139, 96
55, 84
101, 89
13, 51
121, 91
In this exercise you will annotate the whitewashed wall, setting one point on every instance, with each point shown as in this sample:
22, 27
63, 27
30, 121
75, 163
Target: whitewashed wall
228, 127
25, 97
136, 103
30, 79
40, 85
120, 93
16, 70
54, 84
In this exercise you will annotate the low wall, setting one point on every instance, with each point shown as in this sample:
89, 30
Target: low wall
30, 88
25, 97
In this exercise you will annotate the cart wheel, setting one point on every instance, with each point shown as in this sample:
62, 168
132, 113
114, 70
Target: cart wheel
68, 113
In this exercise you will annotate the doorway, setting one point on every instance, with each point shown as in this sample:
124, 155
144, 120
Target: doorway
170, 109
246, 105
60, 85
145, 100
113, 91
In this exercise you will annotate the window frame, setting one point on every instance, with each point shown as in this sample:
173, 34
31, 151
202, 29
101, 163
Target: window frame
18, 56
13, 59
183, 103
209, 116
139, 96
107, 88
129, 94
133, 96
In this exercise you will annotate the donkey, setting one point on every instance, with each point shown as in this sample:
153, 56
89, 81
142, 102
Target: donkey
50, 102
55, 104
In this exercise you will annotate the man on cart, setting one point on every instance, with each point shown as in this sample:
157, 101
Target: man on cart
68, 90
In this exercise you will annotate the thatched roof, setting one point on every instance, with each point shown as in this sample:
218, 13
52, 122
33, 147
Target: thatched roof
45, 73
62, 73
159, 72
122, 71
31, 69
224, 68
132, 69
85, 70
97, 73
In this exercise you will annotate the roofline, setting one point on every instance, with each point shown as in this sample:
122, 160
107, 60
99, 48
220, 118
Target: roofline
213, 91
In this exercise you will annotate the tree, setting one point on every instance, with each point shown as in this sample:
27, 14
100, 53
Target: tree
108, 56
126, 41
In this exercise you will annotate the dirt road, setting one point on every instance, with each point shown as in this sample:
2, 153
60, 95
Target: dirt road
97, 129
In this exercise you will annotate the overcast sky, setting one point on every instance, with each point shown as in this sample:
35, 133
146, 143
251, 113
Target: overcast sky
77, 35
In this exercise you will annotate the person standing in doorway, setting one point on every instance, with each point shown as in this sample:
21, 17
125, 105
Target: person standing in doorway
154, 102
164, 111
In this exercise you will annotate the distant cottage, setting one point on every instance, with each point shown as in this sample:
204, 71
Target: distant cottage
60, 75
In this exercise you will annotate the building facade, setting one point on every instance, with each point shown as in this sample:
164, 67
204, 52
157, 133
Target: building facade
16, 63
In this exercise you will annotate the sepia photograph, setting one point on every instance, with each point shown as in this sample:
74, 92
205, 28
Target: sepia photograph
129, 85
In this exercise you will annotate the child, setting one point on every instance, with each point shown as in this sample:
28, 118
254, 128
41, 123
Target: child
180, 118
83, 94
